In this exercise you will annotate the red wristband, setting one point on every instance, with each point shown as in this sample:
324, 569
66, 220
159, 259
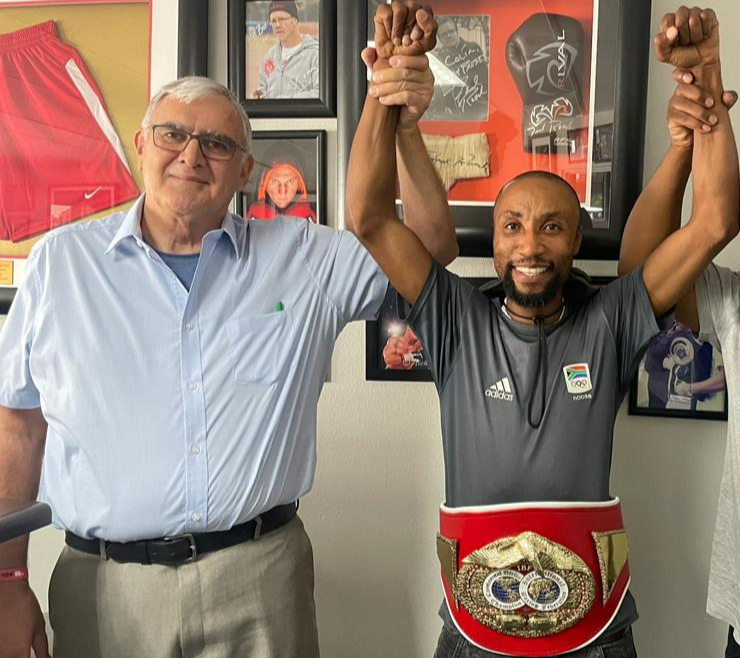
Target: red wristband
16, 573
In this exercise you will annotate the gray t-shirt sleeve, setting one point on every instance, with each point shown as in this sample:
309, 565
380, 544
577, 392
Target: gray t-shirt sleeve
717, 300
629, 315
437, 319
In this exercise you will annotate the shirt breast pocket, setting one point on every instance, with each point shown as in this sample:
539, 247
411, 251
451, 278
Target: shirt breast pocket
263, 347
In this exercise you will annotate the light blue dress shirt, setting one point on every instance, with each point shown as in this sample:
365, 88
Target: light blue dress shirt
173, 412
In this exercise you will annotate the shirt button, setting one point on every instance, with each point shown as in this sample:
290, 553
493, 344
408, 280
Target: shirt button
195, 449
189, 326
192, 386
195, 517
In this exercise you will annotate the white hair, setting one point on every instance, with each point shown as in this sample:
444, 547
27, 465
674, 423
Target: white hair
192, 88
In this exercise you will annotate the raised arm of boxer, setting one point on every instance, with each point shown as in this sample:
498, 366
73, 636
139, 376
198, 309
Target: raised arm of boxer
657, 212
22, 439
425, 207
409, 83
371, 179
671, 269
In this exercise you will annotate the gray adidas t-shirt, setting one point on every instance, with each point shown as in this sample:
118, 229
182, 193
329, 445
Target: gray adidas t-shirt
484, 367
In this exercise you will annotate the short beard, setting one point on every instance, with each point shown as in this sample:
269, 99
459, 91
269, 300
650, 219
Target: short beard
530, 301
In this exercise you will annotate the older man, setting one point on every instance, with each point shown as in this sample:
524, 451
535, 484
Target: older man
290, 69
530, 375
166, 364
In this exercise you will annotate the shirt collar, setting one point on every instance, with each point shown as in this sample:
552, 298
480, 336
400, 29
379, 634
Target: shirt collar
131, 228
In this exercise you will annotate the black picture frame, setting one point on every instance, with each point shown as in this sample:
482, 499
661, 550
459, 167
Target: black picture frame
625, 25
672, 358
296, 144
375, 369
323, 106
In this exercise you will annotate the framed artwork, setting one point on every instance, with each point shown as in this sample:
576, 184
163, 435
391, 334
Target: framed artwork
73, 96
393, 353
282, 56
531, 84
118, 60
289, 176
680, 377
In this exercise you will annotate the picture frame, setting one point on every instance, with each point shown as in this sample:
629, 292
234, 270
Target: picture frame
76, 24
289, 176
253, 69
680, 377
387, 360
613, 63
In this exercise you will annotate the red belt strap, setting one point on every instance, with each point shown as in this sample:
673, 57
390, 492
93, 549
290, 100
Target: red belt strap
535, 579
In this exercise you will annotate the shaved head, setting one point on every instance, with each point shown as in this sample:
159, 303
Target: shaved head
545, 176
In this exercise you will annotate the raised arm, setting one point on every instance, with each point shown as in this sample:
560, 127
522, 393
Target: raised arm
672, 268
22, 439
371, 179
409, 83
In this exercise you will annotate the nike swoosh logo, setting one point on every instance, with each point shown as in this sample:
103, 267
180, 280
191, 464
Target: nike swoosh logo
92, 194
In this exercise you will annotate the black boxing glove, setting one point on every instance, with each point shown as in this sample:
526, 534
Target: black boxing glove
545, 58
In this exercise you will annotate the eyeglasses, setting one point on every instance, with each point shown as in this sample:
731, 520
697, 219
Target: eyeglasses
169, 138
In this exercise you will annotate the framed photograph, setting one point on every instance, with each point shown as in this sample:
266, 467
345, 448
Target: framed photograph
282, 56
523, 85
680, 377
393, 353
289, 176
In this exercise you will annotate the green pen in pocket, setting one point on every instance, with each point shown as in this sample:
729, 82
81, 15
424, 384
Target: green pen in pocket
279, 307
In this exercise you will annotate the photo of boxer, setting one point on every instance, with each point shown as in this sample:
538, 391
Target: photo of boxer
681, 375
287, 177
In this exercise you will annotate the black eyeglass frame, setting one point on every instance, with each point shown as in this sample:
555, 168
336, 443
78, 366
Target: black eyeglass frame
198, 137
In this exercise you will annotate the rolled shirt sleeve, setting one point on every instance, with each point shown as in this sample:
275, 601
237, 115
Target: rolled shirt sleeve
17, 389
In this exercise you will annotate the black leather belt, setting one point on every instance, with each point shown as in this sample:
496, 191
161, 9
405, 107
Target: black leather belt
184, 548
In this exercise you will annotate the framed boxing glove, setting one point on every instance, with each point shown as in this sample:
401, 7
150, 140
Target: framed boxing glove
522, 85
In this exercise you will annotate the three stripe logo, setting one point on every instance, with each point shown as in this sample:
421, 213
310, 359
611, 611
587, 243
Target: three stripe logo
501, 390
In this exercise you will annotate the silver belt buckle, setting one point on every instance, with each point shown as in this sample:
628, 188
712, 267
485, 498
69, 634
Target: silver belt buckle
193, 547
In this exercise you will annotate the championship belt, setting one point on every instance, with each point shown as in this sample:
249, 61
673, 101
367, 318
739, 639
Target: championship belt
534, 579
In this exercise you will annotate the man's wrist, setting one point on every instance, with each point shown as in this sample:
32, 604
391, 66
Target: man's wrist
407, 129
708, 76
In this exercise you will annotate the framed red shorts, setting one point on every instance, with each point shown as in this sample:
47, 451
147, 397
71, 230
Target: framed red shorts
59, 152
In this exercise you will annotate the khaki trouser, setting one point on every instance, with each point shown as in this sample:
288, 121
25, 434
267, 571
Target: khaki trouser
253, 600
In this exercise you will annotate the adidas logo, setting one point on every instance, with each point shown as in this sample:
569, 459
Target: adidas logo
501, 390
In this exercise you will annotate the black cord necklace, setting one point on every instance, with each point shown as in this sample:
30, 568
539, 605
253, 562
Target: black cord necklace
536, 319
541, 367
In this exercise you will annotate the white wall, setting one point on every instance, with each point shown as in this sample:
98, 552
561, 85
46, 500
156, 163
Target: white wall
372, 514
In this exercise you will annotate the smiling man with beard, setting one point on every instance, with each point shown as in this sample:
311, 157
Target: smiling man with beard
531, 372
